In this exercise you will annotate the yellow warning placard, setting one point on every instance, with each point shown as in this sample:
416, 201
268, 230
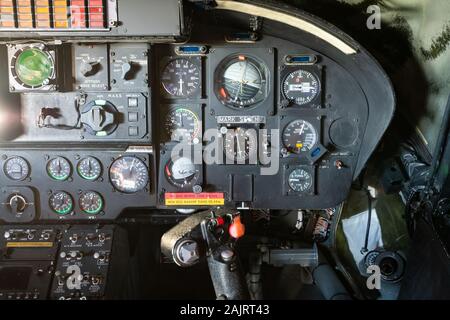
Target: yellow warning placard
29, 244
194, 199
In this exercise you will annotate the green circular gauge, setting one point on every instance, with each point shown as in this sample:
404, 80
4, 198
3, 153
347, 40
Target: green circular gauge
59, 169
91, 202
34, 67
89, 168
61, 202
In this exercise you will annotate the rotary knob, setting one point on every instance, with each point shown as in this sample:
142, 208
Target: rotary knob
88, 69
18, 204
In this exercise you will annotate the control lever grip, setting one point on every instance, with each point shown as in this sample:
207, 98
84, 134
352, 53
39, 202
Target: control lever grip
226, 275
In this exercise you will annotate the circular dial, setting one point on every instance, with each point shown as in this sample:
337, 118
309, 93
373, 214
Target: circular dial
129, 174
240, 145
16, 168
61, 202
300, 180
89, 168
34, 67
91, 202
299, 136
181, 78
241, 82
301, 87
181, 172
183, 125
59, 169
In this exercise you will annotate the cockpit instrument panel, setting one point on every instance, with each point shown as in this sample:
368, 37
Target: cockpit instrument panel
117, 110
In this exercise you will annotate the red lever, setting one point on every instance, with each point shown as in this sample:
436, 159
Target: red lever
236, 229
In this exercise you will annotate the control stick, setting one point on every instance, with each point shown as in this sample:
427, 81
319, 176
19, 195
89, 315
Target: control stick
211, 235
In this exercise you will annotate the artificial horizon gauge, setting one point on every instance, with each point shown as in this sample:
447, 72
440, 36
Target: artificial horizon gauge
299, 136
241, 144
181, 78
301, 87
91, 202
129, 174
16, 168
59, 169
300, 180
61, 203
241, 81
183, 125
181, 172
89, 168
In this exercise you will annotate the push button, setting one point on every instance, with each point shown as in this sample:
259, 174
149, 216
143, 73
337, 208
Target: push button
132, 102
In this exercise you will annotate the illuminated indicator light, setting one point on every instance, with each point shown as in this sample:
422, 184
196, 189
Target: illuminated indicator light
7, 24
61, 24
96, 24
242, 58
6, 10
26, 24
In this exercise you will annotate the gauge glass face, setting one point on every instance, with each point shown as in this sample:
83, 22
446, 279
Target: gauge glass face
129, 174
241, 145
300, 180
89, 168
241, 82
181, 172
183, 125
91, 202
16, 168
301, 87
59, 169
181, 78
299, 136
34, 67
61, 203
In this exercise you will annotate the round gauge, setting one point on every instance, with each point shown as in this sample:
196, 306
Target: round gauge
34, 67
91, 202
59, 169
16, 168
61, 202
241, 82
89, 168
181, 78
129, 174
183, 125
240, 145
299, 136
301, 87
181, 172
300, 180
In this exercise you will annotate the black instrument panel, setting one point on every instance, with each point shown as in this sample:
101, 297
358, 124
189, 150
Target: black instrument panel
73, 185
275, 121
266, 125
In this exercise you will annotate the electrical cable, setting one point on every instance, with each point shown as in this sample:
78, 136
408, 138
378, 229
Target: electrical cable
369, 222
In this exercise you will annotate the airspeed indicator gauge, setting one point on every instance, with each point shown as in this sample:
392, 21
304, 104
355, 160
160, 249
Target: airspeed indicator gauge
181, 78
